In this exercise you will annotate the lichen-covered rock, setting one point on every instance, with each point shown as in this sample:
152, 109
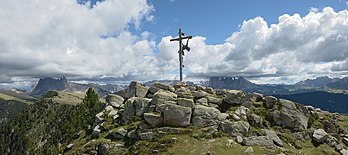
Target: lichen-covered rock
117, 134
320, 135
255, 120
162, 96
186, 102
269, 101
214, 100
153, 119
163, 86
270, 140
242, 112
176, 115
291, 115
235, 128
202, 101
114, 100
205, 116
200, 94
141, 106
236, 97
136, 89
129, 110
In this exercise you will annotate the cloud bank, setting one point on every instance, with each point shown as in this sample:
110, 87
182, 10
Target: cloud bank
55, 38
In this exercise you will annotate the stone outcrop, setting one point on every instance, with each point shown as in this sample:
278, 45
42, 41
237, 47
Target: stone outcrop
291, 115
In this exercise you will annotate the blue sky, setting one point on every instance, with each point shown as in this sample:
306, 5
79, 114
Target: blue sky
268, 41
217, 20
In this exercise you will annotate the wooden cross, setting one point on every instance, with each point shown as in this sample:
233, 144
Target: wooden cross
182, 47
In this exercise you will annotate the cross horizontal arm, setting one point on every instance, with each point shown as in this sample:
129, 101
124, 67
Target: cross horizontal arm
177, 39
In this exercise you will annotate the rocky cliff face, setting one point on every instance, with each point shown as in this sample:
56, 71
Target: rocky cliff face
46, 84
231, 83
62, 84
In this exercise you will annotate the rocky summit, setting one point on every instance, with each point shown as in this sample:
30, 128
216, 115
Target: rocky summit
187, 119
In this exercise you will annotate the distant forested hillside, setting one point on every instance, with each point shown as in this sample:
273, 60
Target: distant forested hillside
326, 101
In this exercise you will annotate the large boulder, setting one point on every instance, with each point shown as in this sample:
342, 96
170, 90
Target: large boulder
162, 96
291, 115
186, 102
205, 116
200, 94
176, 115
235, 128
242, 112
214, 100
136, 89
270, 140
269, 102
129, 110
320, 135
163, 86
117, 134
236, 97
255, 120
154, 119
135, 106
114, 100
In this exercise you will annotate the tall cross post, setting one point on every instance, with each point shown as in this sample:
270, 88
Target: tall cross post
182, 47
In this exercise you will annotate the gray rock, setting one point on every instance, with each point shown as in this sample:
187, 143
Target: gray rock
248, 104
320, 135
239, 139
112, 113
161, 96
163, 86
291, 115
214, 100
141, 106
153, 90
271, 135
146, 135
186, 102
344, 152
339, 147
200, 94
209, 90
269, 101
242, 112
235, 128
235, 97
255, 120
109, 108
249, 151
176, 115
153, 119
258, 97
103, 149
136, 89
114, 100
117, 134
99, 117
345, 140
258, 141
129, 110
222, 116
202, 101
205, 116
69, 146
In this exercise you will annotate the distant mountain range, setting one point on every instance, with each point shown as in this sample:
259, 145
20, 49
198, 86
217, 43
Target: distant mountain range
62, 84
326, 84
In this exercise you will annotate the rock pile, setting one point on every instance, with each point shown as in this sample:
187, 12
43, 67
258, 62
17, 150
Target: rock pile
163, 109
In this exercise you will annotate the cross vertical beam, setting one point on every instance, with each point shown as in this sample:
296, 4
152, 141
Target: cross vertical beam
181, 49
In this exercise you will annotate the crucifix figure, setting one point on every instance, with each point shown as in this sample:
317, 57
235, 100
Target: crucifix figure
182, 47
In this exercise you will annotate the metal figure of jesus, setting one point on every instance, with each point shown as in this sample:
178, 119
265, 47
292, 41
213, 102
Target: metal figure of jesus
182, 47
